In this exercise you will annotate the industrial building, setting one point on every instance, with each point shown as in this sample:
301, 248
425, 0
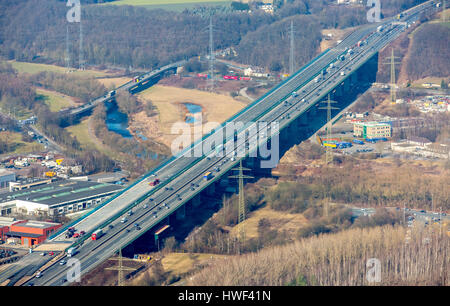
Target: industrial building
56, 198
6, 177
372, 129
28, 183
26, 232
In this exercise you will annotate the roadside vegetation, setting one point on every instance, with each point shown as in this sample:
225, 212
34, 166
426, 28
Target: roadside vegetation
419, 257
156, 37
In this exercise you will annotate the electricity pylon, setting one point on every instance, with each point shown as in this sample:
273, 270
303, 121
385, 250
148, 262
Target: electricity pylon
211, 54
80, 54
391, 61
67, 49
329, 108
241, 216
291, 55
120, 269
443, 11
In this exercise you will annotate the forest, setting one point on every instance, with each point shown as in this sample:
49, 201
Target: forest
417, 257
139, 38
430, 52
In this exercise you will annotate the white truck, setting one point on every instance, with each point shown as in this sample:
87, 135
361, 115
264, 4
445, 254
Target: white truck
72, 251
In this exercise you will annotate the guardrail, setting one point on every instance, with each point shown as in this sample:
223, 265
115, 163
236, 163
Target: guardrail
194, 144
186, 150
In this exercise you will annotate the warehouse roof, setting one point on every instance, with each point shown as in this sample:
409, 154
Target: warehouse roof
37, 224
60, 192
19, 234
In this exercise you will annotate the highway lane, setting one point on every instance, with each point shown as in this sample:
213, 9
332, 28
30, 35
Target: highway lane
251, 114
119, 239
127, 86
208, 166
272, 99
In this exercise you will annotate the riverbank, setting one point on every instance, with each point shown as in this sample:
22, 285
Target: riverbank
170, 104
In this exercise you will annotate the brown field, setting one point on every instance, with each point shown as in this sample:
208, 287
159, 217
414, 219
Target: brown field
279, 220
179, 264
338, 34
407, 257
113, 82
169, 101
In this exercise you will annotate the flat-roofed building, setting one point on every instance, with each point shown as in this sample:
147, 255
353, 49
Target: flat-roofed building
6, 177
372, 129
59, 197
31, 232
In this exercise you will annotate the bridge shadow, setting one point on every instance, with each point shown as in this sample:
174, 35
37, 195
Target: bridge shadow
301, 128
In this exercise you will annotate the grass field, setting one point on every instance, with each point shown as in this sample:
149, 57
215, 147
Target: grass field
279, 220
174, 5
114, 82
17, 146
168, 101
164, 2
179, 264
81, 132
54, 100
33, 68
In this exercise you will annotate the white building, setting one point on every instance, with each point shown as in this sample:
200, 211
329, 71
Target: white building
6, 177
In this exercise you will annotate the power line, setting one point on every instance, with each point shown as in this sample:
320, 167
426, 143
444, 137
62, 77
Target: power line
391, 61
80, 54
120, 269
67, 49
241, 216
291, 55
211, 54
329, 108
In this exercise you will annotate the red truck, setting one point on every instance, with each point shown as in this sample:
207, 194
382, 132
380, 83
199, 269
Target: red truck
154, 182
97, 234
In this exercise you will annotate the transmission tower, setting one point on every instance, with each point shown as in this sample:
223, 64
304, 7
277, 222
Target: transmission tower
443, 11
291, 55
80, 54
329, 108
67, 49
391, 61
211, 54
120, 268
241, 216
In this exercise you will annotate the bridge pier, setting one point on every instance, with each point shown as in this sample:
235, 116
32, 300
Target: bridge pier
196, 200
181, 213
353, 79
340, 89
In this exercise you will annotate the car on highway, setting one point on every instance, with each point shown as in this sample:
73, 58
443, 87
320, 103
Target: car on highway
145, 206
62, 262
130, 213
42, 254
123, 220
38, 274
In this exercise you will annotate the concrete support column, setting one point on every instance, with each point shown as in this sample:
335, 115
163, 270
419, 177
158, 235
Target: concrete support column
181, 212
303, 119
211, 189
196, 200
339, 90
346, 85
354, 78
